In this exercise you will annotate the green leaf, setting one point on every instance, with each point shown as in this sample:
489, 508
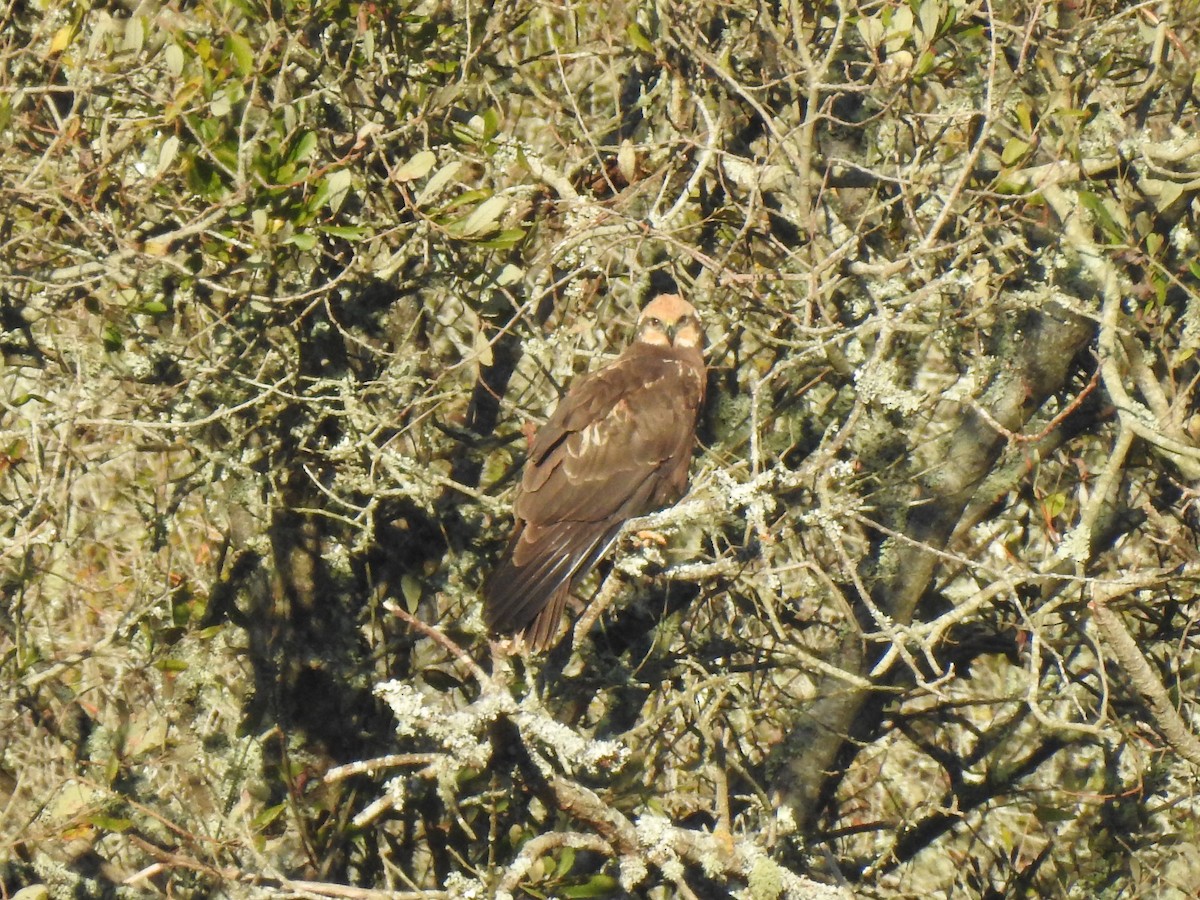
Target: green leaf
112, 338
638, 38
483, 218
313, 205
169, 664
1014, 149
1055, 503
243, 56
166, 154
466, 198
183, 99
1095, 205
929, 15
302, 147
566, 861
1053, 814
410, 586
348, 232
227, 153
338, 186
899, 21
509, 237
267, 816
491, 123
440, 179
871, 30
135, 34
597, 886
1025, 117
924, 63
444, 682
303, 240
110, 823
112, 768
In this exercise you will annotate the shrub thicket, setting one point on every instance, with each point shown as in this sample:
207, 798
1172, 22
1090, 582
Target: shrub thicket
282, 285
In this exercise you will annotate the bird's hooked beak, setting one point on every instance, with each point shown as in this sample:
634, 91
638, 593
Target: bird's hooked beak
671, 330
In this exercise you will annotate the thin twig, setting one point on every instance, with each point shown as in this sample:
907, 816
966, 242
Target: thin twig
439, 637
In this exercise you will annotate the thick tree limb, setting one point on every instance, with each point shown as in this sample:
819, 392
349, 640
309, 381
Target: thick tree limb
1162, 710
1041, 358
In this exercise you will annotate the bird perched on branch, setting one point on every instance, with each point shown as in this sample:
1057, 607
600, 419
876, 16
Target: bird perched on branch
619, 445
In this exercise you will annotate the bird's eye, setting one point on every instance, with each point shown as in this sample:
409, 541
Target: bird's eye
654, 322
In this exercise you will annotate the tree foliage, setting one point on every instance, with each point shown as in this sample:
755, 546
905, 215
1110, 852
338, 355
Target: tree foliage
283, 286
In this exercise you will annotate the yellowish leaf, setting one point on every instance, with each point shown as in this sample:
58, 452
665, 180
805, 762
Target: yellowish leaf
483, 349
417, 167
61, 39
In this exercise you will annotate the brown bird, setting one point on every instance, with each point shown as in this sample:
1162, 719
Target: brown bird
618, 446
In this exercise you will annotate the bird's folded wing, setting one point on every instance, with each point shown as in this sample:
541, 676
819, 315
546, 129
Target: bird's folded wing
618, 445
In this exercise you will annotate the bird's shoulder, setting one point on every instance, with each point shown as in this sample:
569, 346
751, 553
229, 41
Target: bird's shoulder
638, 384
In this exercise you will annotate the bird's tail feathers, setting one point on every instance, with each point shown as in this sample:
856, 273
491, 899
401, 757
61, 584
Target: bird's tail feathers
530, 599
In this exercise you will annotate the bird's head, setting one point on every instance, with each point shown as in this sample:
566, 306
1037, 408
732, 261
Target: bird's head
670, 321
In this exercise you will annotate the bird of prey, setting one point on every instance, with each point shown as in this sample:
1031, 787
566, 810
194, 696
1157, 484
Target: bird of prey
618, 445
